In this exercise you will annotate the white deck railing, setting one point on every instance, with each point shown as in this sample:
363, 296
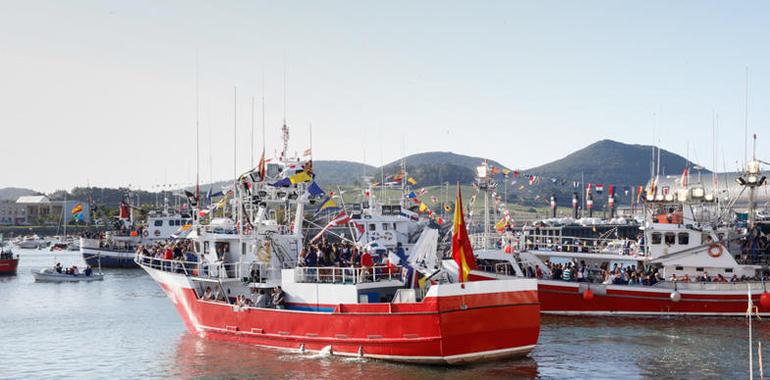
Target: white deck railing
345, 275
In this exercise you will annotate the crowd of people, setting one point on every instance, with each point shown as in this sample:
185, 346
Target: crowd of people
619, 274
755, 248
342, 254
172, 250
73, 270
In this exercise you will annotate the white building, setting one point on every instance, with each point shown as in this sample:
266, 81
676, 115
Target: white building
12, 213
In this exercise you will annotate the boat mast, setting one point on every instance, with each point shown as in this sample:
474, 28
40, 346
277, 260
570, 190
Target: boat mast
197, 138
746, 122
251, 151
235, 147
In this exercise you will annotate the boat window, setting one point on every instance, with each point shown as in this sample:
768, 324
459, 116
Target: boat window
699, 269
372, 227
656, 238
158, 223
205, 247
197, 247
221, 248
385, 226
394, 226
679, 268
670, 238
684, 238
728, 270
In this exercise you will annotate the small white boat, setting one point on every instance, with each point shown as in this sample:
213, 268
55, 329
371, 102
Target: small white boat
50, 275
31, 242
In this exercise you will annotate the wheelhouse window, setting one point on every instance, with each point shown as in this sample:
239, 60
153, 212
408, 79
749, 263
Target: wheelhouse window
159, 223
372, 227
699, 269
670, 238
656, 238
679, 268
684, 238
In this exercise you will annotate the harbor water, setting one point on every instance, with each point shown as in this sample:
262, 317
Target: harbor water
125, 327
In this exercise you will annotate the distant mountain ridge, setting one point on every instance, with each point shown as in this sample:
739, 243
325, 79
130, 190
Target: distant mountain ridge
606, 162
437, 168
13, 193
612, 162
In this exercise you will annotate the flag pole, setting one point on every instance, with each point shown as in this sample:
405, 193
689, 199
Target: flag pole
251, 162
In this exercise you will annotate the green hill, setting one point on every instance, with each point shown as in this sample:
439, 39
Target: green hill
609, 161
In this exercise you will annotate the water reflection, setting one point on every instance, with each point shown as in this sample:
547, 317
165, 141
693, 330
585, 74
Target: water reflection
203, 358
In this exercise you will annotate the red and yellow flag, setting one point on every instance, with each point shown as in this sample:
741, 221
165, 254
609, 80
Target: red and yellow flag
462, 252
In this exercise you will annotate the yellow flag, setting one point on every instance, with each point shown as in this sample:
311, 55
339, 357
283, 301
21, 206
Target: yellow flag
412, 181
300, 177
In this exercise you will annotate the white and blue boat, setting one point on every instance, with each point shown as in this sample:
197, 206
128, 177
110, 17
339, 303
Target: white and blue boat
116, 249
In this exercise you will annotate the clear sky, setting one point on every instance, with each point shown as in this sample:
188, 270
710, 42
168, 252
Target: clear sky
103, 92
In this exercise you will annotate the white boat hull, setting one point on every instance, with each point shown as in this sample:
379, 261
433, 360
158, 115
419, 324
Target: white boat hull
48, 275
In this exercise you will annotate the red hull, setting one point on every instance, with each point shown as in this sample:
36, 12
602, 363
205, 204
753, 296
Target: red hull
8, 267
567, 298
438, 330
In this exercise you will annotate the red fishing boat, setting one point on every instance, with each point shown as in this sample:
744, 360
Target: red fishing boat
8, 261
247, 285
683, 262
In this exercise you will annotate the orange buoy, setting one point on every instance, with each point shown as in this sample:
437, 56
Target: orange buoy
588, 295
764, 300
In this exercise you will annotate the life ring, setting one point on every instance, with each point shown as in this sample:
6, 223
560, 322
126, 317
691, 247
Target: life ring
145, 233
715, 250
387, 235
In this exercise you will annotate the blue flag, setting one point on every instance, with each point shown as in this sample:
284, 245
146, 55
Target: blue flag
315, 191
286, 182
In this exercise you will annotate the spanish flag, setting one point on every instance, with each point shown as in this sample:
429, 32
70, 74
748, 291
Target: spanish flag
462, 252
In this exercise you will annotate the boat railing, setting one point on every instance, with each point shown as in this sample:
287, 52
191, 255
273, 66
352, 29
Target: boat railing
177, 266
345, 275
219, 229
490, 240
741, 285
580, 245
193, 268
